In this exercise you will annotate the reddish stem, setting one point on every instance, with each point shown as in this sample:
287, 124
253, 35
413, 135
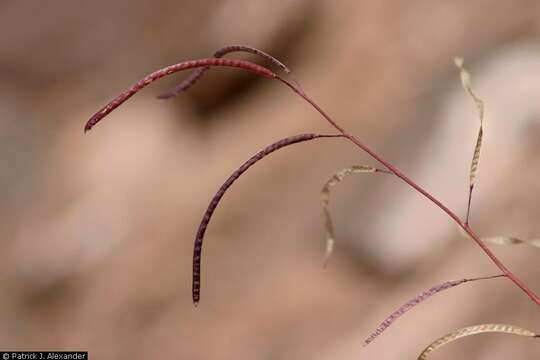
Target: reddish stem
465, 226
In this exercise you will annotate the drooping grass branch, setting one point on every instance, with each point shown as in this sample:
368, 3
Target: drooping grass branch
197, 250
264, 72
464, 225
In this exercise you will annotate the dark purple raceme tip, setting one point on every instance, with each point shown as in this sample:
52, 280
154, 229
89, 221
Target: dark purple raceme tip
417, 300
197, 249
148, 79
196, 75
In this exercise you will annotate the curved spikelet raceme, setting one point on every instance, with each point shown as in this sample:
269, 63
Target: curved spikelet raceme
197, 249
417, 300
474, 330
186, 65
197, 74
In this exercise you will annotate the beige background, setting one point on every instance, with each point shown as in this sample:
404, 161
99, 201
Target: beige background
96, 230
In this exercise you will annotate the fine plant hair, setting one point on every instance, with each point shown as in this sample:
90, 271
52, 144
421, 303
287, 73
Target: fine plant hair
202, 65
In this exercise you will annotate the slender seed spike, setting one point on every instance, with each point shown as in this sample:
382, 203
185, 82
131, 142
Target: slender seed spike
196, 75
325, 199
506, 240
417, 300
511, 240
197, 249
466, 84
474, 330
148, 79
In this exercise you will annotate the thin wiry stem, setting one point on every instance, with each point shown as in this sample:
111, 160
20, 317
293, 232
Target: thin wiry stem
197, 250
197, 74
417, 300
148, 79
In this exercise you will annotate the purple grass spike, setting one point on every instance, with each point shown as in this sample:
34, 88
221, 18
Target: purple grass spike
249, 49
197, 250
196, 75
191, 64
417, 300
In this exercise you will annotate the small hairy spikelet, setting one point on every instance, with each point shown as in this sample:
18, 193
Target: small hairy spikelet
197, 74
197, 249
474, 330
417, 300
510, 240
148, 79
466, 83
325, 198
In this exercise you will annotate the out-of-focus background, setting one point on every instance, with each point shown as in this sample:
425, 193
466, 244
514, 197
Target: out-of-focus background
96, 230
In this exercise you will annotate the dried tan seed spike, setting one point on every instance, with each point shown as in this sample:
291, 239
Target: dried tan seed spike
505, 240
325, 198
476, 156
466, 83
473, 330
510, 240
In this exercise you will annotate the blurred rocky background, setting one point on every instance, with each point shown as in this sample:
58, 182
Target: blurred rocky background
96, 230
